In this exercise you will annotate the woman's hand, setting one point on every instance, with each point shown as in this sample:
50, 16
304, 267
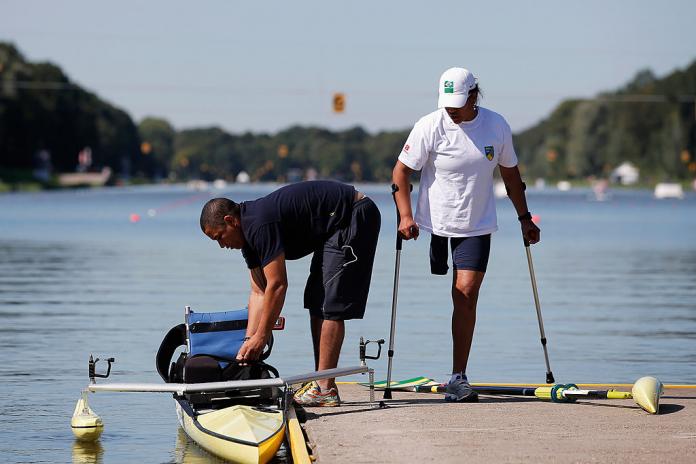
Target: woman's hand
408, 228
530, 231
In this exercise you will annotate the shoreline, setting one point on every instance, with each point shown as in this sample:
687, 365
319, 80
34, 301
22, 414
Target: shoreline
35, 186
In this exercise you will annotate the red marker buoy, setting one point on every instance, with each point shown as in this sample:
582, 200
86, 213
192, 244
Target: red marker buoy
134, 217
536, 219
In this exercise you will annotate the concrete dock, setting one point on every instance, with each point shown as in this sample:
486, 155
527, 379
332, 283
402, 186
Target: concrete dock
421, 427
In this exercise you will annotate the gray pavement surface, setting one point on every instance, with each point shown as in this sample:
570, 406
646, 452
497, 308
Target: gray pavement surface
421, 427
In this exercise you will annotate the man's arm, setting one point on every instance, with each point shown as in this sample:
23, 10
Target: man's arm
258, 285
270, 307
513, 184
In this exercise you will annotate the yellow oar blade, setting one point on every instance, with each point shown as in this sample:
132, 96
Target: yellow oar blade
646, 393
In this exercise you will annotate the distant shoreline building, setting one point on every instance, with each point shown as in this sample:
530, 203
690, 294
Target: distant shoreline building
625, 174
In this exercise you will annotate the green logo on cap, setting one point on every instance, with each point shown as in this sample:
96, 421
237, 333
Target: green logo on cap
449, 87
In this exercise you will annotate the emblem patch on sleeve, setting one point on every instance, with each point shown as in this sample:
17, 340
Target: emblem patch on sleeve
490, 153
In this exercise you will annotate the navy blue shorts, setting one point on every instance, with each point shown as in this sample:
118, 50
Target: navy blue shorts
468, 253
341, 269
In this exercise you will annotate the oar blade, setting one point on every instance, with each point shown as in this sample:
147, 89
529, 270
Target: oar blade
646, 393
401, 384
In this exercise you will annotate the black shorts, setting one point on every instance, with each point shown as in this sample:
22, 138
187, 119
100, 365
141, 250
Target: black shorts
468, 253
341, 269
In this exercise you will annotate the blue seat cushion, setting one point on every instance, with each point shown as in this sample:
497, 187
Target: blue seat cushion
218, 334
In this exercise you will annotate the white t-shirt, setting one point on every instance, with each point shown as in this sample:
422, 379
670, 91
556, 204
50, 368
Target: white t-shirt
456, 198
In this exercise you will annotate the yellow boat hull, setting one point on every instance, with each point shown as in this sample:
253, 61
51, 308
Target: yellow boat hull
240, 434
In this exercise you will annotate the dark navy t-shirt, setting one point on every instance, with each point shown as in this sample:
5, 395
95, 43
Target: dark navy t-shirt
294, 219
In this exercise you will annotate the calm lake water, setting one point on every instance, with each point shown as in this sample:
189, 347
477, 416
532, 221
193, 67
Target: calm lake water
617, 283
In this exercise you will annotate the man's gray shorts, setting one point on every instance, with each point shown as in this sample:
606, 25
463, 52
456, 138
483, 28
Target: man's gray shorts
341, 269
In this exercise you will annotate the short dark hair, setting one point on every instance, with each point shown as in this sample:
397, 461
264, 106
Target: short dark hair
215, 210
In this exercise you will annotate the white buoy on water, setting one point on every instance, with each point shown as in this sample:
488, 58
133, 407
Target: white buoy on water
85, 424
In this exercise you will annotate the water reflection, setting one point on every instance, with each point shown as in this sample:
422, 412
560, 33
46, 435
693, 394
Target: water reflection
87, 452
186, 451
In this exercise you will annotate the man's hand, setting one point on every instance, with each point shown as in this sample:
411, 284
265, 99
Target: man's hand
408, 228
251, 349
530, 231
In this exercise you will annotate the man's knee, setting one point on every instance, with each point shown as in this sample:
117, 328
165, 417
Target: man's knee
333, 325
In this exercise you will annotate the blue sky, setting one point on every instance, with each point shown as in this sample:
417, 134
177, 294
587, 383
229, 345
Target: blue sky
263, 66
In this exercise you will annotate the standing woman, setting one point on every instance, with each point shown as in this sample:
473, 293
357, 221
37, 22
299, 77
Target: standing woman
457, 148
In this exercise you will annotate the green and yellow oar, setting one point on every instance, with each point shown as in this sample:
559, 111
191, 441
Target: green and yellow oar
645, 392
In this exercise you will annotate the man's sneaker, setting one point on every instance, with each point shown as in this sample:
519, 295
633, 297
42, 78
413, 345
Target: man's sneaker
460, 391
313, 396
306, 386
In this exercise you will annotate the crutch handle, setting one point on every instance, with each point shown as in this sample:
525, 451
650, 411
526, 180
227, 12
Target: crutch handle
399, 238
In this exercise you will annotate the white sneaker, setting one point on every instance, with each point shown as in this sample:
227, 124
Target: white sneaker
460, 391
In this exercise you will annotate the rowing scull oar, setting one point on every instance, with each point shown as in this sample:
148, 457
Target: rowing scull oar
645, 392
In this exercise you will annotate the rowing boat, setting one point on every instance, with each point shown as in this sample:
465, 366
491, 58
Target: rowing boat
242, 421
238, 433
243, 425
214, 414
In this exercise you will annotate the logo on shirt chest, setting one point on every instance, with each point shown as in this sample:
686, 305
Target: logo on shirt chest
490, 152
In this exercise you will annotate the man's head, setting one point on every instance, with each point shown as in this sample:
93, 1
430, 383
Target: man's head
220, 221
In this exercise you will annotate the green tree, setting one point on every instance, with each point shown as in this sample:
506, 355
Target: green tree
41, 109
157, 146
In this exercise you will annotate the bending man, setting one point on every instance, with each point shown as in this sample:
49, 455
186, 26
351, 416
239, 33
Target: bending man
332, 220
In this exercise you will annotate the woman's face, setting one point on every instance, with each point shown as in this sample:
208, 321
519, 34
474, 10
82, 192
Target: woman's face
466, 112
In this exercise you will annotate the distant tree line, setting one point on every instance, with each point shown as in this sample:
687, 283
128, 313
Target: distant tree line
212, 153
650, 122
41, 110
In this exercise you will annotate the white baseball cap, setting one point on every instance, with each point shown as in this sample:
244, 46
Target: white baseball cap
455, 85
